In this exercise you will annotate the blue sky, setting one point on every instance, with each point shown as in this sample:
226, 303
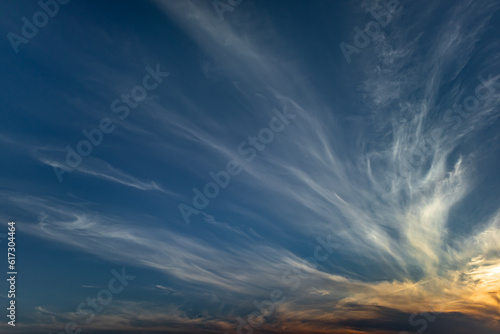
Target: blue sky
265, 166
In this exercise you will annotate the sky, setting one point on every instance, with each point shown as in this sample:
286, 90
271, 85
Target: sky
251, 166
